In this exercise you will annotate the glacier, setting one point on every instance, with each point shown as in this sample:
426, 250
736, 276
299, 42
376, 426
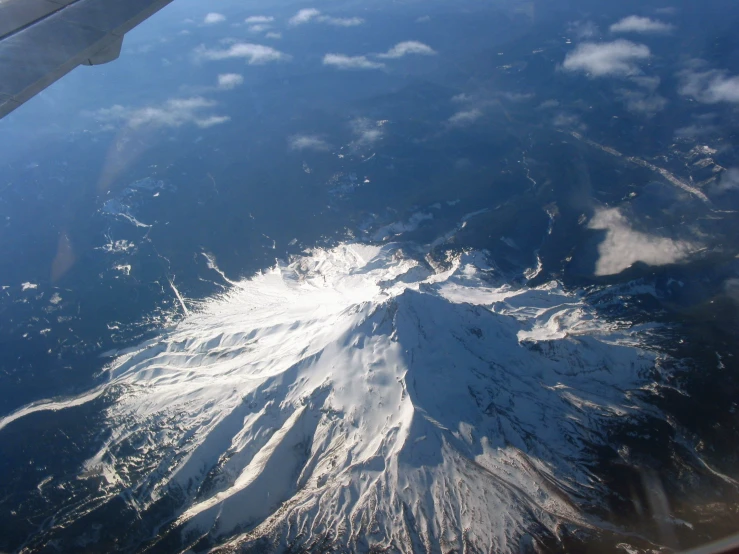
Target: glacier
368, 396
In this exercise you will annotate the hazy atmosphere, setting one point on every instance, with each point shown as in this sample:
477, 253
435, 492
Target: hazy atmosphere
377, 276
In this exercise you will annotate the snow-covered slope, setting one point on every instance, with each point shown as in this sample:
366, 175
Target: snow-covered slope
358, 394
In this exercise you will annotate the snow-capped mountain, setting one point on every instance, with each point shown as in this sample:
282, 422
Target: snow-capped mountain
360, 395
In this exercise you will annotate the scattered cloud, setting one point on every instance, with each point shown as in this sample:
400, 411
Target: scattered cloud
462, 98
308, 142
258, 19
517, 96
484, 99
649, 83
729, 181
175, 112
408, 47
465, 117
623, 246
423, 19
731, 288
255, 54
341, 21
568, 121
273, 35
637, 24
212, 120
709, 86
259, 28
695, 131
582, 29
473, 106
303, 16
340, 61
307, 15
367, 132
617, 58
228, 81
213, 18
548, 104
638, 101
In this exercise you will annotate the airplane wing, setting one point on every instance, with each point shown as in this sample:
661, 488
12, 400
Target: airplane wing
43, 40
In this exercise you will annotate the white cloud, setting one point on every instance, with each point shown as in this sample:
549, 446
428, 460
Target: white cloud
607, 58
695, 131
517, 96
273, 35
548, 104
637, 24
175, 112
582, 29
649, 83
341, 21
640, 102
483, 99
311, 14
724, 89
710, 86
408, 47
303, 16
729, 181
475, 104
308, 142
623, 246
731, 287
462, 98
228, 81
647, 104
340, 61
214, 17
255, 54
367, 132
257, 19
465, 117
212, 120
259, 28
566, 120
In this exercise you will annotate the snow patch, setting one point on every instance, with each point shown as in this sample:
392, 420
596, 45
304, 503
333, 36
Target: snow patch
358, 392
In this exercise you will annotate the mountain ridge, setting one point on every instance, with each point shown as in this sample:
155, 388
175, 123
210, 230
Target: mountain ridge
356, 393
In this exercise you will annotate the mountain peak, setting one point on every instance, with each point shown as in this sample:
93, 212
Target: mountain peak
357, 394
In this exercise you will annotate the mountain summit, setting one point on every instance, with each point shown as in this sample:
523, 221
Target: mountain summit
361, 397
